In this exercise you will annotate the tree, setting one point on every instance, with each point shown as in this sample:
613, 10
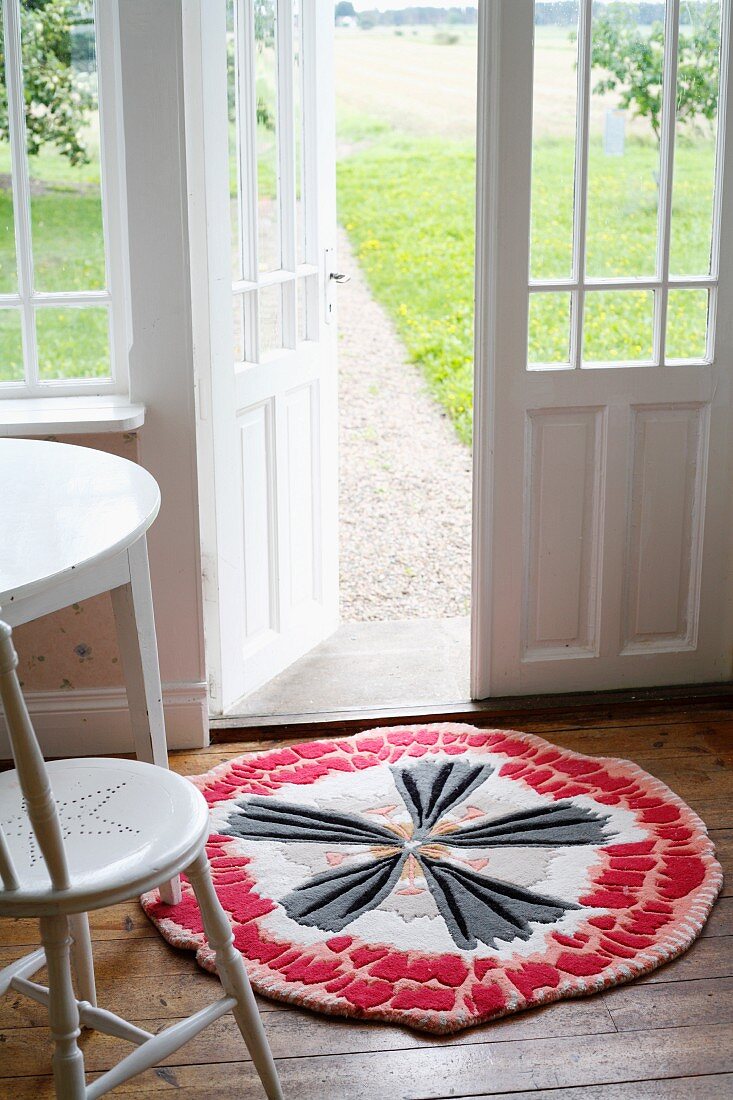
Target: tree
57, 103
345, 10
265, 24
632, 60
366, 20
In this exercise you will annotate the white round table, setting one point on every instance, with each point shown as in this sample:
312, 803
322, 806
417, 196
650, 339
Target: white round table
72, 524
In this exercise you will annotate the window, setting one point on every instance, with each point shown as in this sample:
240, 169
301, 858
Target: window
624, 238
62, 268
274, 270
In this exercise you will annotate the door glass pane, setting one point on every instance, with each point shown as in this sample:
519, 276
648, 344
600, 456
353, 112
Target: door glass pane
72, 343
8, 278
298, 119
62, 122
627, 51
696, 137
687, 324
268, 236
238, 314
233, 113
11, 346
307, 307
271, 319
553, 139
618, 326
549, 329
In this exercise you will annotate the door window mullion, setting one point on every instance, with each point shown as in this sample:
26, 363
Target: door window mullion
286, 154
581, 179
246, 136
722, 151
666, 174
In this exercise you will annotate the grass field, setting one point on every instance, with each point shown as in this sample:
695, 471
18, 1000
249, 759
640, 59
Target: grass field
407, 205
68, 253
406, 119
406, 197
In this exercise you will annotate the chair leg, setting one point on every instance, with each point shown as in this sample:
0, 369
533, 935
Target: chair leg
63, 1014
82, 958
233, 975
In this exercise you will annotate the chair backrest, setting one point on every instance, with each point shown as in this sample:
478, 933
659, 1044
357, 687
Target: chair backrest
32, 776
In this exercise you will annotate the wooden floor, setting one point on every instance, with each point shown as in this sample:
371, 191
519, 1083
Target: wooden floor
668, 1035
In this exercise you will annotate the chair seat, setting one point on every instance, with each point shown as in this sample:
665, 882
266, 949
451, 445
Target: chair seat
127, 826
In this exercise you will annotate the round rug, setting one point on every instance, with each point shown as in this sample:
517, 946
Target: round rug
440, 876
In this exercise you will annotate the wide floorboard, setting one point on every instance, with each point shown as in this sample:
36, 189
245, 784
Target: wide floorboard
667, 1036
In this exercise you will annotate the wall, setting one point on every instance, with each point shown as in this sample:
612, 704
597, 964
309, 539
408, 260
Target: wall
69, 660
75, 648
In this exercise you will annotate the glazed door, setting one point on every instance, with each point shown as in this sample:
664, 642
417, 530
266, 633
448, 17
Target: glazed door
260, 104
604, 349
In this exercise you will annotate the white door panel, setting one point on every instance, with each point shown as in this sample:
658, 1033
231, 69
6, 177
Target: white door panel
260, 142
602, 508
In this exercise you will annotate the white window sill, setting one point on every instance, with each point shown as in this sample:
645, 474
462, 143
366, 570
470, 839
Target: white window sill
69, 415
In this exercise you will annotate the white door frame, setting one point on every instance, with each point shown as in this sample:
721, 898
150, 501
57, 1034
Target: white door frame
161, 363
502, 265
205, 88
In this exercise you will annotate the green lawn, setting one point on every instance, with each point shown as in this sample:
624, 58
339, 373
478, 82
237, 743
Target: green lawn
408, 206
68, 252
68, 246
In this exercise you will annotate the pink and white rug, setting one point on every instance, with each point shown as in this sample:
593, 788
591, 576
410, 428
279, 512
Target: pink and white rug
441, 876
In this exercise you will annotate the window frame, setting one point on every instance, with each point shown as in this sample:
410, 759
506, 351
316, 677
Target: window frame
662, 282
291, 273
115, 297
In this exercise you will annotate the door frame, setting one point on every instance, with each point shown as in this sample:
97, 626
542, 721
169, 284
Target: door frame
205, 88
486, 283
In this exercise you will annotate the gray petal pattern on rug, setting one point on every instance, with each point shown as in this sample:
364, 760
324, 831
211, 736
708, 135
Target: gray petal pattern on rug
334, 899
562, 825
431, 790
260, 818
476, 907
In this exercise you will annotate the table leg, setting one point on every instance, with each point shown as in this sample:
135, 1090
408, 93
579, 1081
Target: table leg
133, 610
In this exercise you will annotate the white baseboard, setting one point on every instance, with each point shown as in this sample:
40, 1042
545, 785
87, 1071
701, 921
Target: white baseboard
96, 721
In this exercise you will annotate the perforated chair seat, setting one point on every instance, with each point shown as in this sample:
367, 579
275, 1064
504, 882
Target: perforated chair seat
82, 834
127, 826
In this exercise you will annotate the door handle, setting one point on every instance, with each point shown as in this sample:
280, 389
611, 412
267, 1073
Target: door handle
331, 281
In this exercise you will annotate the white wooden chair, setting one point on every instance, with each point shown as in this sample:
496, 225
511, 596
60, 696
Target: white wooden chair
77, 835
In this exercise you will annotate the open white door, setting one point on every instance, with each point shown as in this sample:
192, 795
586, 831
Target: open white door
260, 148
603, 487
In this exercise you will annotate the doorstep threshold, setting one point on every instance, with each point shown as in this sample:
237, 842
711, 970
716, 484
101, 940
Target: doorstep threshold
243, 727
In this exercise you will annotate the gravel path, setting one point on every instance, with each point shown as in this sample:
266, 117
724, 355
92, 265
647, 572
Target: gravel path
405, 478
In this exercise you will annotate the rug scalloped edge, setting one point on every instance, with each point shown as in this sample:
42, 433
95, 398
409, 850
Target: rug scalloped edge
439, 1023
432, 1024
